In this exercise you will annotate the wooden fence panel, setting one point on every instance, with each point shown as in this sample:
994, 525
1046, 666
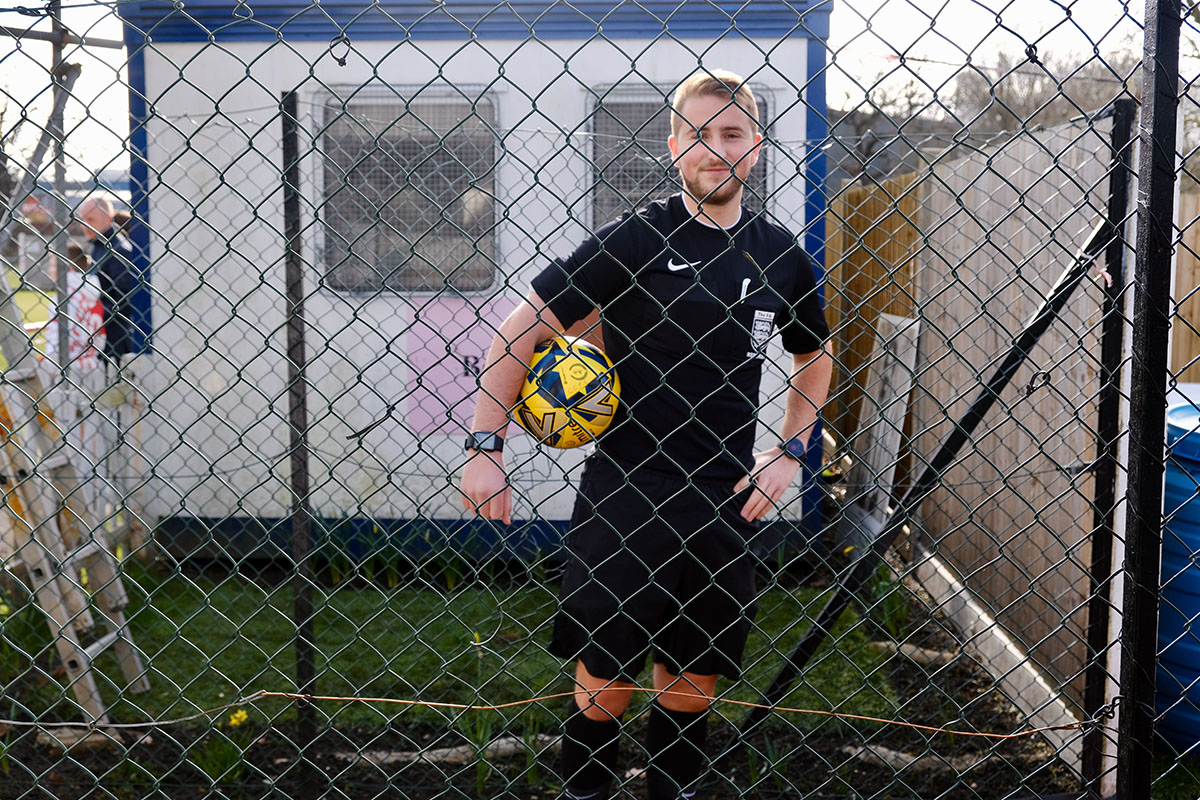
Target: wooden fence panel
979, 242
1185, 327
871, 265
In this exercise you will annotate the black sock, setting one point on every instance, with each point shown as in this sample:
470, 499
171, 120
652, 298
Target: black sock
675, 745
589, 755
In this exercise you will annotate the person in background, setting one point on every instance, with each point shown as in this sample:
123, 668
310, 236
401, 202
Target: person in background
116, 272
79, 261
84, 312
121, 219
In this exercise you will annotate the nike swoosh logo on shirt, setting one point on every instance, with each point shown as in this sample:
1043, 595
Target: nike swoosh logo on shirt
671, 265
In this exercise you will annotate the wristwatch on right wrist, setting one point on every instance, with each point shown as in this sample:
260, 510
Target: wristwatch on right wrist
484, 442
794, 448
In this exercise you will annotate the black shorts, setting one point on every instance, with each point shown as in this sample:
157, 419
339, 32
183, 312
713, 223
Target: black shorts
655, 562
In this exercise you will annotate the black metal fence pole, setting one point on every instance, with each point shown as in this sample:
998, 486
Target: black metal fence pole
302, 576
1108, 431
1147, 412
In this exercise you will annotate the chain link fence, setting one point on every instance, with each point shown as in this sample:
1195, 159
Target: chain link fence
236, 558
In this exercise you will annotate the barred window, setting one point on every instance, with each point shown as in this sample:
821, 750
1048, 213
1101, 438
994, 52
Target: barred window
409, 201
632, 165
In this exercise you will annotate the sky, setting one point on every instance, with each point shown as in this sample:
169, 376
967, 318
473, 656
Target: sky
97, 121
867, 40
937, 37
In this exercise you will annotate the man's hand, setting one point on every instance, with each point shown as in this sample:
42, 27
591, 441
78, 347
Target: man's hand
773, 473
485, 488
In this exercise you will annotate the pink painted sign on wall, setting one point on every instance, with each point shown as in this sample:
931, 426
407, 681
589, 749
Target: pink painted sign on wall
447, 347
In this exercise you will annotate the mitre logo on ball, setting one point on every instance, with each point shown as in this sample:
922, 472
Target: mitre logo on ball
570, 394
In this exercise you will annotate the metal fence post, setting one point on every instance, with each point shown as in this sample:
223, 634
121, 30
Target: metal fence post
1147, 425
301, 526
1108, 433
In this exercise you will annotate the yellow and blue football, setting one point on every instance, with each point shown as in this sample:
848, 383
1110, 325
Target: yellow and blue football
570, 395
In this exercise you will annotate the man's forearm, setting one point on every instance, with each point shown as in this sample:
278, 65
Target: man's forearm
809, 388
499, 383
530, 324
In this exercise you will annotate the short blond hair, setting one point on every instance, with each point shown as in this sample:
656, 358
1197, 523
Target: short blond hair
713, 83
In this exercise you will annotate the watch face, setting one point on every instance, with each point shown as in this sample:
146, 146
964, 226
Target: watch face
794, 448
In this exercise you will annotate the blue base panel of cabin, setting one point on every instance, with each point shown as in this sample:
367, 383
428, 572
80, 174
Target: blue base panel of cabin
358, 539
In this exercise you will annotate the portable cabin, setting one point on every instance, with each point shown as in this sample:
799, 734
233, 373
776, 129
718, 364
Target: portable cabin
444, 152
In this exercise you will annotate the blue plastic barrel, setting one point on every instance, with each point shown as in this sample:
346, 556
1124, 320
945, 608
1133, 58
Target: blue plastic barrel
1178, 676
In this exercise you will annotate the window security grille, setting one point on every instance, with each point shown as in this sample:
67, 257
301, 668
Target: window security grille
409, 199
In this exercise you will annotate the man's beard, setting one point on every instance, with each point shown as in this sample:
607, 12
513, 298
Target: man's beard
726, 192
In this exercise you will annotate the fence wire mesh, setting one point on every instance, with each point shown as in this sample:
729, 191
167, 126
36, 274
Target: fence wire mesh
234, 431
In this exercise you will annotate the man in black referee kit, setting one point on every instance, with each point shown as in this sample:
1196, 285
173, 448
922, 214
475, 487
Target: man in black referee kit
688, 290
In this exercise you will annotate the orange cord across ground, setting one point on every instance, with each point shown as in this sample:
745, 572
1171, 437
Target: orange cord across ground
310, 698
727, 701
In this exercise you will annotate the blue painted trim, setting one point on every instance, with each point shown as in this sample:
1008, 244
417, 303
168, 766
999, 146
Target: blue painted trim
139, 190
816, 128
394, 20
359, 538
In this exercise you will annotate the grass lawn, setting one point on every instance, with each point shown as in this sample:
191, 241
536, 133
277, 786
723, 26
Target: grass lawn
35, 307
211, 641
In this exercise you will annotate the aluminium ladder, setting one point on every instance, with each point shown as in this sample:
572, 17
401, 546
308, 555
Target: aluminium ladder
54, 535
61, 539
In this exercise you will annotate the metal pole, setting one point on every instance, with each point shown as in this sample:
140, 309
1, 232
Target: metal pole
62, 89
1148, 402
14, 344
58, 247
302, 576
1108, 431
61, 36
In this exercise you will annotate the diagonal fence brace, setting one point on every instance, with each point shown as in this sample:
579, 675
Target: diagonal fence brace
884, 533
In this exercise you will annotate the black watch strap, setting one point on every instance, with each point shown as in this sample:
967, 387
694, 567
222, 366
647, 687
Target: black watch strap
794, 448
484, 441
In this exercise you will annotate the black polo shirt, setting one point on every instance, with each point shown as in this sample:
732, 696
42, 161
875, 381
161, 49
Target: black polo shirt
687, 310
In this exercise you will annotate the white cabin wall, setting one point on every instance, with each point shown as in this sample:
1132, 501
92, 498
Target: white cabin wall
220, 378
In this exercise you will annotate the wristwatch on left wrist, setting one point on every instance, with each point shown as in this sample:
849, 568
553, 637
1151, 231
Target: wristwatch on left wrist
484, 441
794, 448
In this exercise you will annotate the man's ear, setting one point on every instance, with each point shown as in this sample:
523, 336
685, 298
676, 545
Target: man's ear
673, 146
756, 149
